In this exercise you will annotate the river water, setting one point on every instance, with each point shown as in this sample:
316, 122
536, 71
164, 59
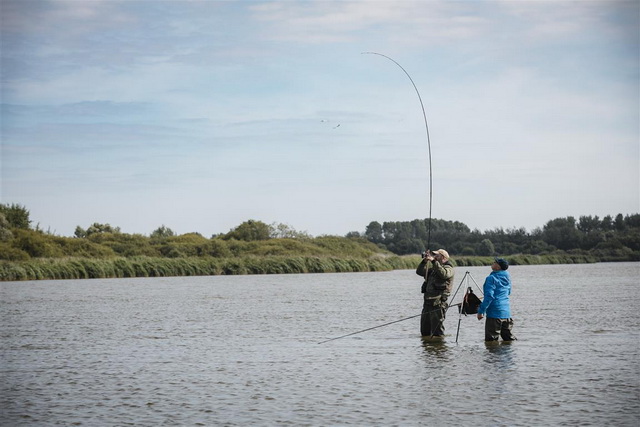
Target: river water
244, 350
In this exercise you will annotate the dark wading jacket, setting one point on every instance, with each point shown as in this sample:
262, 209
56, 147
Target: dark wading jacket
438, 279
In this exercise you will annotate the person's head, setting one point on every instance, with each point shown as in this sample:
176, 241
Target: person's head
499, 264
441, 255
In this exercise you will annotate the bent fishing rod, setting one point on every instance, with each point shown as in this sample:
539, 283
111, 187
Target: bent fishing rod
426, 126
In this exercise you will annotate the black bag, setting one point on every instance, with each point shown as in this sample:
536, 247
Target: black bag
470, 303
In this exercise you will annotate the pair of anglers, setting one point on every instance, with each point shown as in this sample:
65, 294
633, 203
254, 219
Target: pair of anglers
437, 271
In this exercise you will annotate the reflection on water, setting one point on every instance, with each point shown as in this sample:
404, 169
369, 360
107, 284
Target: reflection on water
435, 347
244, 350
500, 354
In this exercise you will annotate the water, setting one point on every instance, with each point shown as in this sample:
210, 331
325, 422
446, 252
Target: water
244, 350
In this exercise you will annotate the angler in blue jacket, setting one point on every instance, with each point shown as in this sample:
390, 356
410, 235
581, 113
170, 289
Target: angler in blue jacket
497, 288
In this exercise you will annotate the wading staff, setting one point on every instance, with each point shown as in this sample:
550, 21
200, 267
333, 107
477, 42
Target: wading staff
426, 126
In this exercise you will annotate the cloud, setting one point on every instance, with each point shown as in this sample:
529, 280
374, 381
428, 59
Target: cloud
338, 22
553, 20
220, 105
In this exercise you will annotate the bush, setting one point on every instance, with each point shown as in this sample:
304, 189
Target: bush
218, 248
468, 251
35, 244
233, 267
9, 253
82, 248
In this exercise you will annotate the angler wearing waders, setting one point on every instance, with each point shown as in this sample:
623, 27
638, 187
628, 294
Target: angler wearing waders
496, 289
438, 282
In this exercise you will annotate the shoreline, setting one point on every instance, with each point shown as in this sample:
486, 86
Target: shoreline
120, 267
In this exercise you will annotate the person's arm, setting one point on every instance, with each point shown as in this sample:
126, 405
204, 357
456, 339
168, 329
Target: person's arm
489, 290
443, 271
422, 268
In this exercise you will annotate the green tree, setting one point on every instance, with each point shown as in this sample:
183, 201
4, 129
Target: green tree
5, 233
619, 223
80, 232
162, 232
486, 248
632, 221
562, 233
284, 231
631, 239
587, 224
592, 239
373, 232
250, 231
468, 251
97, 228
537, 247
607, 223
16, 215
397, 231
408, 246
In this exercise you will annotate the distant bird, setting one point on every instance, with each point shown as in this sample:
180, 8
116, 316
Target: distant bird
327, 121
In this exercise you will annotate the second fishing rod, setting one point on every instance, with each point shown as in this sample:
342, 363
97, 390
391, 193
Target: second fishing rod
462, 310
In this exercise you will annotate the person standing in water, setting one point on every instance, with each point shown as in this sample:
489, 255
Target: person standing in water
495, 304
437, 271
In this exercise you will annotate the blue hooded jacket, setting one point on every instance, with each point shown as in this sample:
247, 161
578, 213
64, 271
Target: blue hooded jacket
497, 288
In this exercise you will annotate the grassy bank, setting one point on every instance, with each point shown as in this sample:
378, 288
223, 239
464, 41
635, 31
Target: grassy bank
94, 268
88, 268
532, 260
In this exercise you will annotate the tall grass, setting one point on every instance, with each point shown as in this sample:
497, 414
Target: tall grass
90, 268
143, 266
560, 258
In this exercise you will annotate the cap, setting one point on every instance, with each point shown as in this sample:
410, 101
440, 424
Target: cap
441, 252
503, 263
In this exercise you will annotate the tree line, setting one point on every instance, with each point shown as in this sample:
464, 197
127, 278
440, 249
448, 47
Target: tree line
104, 251
19, 241
609, 238
619, 235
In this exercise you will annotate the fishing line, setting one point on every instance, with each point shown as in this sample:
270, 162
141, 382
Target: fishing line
467, 276
386, 324
426, 126
368, 329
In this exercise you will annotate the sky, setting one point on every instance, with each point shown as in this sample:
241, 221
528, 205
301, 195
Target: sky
200, 115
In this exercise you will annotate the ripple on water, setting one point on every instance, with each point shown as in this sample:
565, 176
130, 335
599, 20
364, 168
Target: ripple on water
243, 351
